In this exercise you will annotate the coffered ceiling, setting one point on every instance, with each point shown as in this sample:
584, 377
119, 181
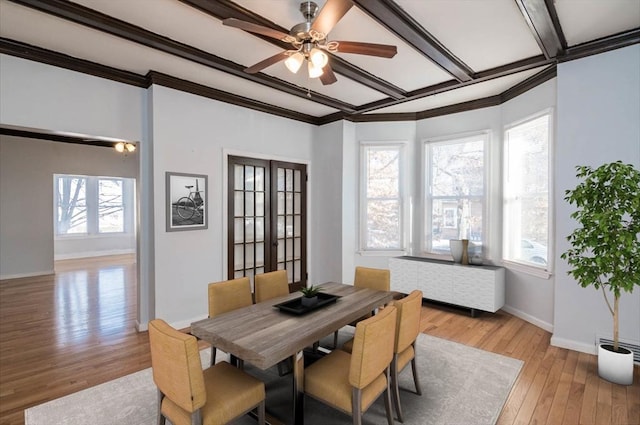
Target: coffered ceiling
452, 55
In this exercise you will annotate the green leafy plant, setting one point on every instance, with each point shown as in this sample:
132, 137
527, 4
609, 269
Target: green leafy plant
311, 291
605, 249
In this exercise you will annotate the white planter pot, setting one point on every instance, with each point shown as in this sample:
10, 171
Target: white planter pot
615, 367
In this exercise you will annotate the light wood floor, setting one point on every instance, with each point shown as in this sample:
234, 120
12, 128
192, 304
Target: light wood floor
60, 334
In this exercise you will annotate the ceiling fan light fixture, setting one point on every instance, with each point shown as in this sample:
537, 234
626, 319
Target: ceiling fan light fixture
314, 71
318, 57
294, 62
125, 147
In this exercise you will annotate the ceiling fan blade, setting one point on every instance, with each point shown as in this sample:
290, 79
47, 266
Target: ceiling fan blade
250, 27
266, 63
330, 14
371, 49
327, 77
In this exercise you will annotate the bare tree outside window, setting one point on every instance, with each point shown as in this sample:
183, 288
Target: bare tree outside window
455, 192
382, 198
88, 205
526, 192
71, 202
110, 206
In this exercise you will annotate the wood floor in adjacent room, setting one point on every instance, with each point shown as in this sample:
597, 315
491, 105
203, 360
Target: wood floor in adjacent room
60, 334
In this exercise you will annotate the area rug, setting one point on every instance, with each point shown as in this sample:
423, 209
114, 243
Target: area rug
460, 385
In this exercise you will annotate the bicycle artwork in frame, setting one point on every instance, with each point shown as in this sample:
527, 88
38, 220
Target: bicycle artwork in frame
186, 201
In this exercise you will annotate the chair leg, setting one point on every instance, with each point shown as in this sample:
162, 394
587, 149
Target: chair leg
213, 355
261, 413
414, 369
356, 403
395, 387
161, 419
196, 418
387, 401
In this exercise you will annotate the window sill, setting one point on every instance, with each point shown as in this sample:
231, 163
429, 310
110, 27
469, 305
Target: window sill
382, 253
530, 270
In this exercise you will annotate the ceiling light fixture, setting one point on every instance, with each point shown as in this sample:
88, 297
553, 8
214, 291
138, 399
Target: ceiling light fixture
314, 53
125, 147
318, 57
294, 62
314, 71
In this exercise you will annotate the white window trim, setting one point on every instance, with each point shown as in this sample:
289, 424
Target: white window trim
424, 186
91, 193
405, 214
537, 271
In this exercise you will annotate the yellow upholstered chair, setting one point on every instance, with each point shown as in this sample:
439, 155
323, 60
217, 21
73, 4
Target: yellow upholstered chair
365, 277
352, 382
227, 296
271, 285
407, 330
188, 395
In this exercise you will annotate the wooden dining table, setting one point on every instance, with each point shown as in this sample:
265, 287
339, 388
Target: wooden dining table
263, 335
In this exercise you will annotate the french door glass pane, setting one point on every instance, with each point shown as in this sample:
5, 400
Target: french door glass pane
249, 219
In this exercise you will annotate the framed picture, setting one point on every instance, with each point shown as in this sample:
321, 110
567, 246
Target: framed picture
186, 200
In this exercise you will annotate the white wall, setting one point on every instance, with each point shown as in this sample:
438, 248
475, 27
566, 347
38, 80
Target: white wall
191, 135
50, 98
598, 122
327, 197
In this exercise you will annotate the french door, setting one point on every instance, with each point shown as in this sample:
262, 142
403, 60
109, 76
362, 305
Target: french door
267, 219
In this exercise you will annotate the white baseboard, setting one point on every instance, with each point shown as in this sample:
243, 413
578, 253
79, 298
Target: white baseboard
529, 318
87, 254
142, 327
573, 345
32, 274
182, 324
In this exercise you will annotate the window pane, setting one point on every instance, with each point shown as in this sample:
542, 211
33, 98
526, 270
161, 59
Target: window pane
383, 224
458, 169
381, 198
526, 192
455, 195
383, 176
72, 205
110, 206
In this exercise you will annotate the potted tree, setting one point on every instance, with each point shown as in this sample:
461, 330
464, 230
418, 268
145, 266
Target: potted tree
310, 295
605, 248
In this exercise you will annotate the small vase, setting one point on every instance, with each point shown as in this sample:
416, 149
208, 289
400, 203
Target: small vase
455, 245
309, 301
465, 251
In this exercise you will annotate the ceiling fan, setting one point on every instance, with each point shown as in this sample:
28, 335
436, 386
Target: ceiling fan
310, 43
